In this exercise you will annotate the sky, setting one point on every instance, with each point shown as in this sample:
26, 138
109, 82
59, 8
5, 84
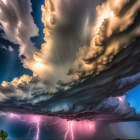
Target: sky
70, 69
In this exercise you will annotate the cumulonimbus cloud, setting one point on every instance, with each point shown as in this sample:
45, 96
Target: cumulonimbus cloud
103, 72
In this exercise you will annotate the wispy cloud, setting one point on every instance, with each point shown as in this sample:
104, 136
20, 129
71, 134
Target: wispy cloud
8, 49
18, 25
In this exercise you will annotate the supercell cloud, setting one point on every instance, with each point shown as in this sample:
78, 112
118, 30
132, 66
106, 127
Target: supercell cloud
85, 68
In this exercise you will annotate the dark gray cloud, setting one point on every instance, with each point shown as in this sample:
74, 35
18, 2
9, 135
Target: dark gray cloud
83, 94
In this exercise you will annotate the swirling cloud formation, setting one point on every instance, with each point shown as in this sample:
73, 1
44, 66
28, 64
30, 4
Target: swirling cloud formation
106, 66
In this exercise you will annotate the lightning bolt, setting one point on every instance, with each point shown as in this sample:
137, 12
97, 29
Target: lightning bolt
70, 128
67, 130
37, 121
38, 129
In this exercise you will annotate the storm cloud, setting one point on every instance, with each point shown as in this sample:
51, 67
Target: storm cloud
107, 65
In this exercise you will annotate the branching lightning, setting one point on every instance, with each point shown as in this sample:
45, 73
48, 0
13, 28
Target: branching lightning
36, 120
67, 130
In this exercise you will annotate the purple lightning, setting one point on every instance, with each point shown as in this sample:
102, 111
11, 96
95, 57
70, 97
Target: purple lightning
38, 129
70, 127
67, 130
36, 120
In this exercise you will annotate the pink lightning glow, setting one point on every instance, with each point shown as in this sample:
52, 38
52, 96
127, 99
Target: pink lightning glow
67, 130
91, 126
38, 129
35, 119
70, 127
121, 98
85, 126
71, 130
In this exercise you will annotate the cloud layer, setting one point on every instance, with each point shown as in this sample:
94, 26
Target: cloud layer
105, 69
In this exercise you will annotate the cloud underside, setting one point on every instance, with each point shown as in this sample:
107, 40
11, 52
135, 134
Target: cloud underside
96, 84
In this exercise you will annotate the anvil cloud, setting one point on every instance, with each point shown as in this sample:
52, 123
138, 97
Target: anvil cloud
106, 66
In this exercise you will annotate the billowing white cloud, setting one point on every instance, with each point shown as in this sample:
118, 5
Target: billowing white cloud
68, 25
18, 25
112, 35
